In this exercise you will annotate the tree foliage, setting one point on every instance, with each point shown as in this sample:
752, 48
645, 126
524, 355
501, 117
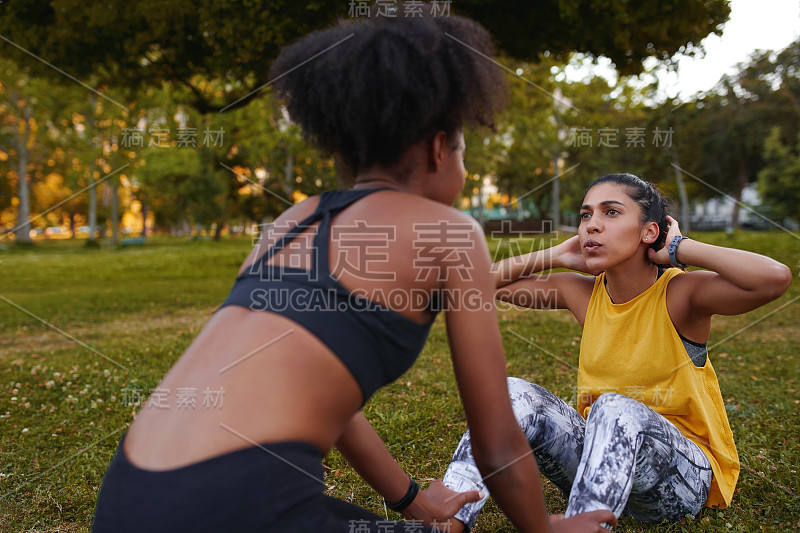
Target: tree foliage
221, 51
160, 60
779, 180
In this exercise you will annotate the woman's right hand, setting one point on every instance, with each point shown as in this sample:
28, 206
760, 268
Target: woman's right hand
437, 505
570, 255
591, 522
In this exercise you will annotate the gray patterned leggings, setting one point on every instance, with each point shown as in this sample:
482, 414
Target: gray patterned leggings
625, 457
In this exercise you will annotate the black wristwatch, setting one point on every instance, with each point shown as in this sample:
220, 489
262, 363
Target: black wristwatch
413, 489
673, 248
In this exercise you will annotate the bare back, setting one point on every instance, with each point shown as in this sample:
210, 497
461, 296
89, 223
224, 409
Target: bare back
280, 381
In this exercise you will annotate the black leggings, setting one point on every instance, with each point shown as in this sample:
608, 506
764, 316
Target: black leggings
625, 457
267, 488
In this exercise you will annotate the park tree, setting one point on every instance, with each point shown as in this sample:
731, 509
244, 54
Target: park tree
178, 190
199, 48
75, 159
49, 128
253, 161
173, 170
199, 45
17, 133
729, 124
530, 137
610, 131
582, 129
266, 141
779, 180
6, 191
775, 78
666, 165
30, 114
191, 42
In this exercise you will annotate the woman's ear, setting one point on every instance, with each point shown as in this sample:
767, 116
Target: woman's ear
650, 232
439, 150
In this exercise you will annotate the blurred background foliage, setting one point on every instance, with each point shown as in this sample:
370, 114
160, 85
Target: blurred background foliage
170, 129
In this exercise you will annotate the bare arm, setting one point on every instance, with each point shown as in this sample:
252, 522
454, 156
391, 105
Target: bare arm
501, 451
564, 255
735, 281
518, 283
365, 451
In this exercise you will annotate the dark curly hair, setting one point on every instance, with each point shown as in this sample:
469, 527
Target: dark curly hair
653, 204
369, 89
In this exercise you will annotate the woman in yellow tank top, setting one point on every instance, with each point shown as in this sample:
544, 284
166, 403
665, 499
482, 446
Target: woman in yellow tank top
650, 437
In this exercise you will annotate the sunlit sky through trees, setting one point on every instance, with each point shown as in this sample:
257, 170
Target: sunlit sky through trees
753, 25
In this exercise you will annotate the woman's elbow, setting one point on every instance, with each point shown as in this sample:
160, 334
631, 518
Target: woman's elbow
779, 279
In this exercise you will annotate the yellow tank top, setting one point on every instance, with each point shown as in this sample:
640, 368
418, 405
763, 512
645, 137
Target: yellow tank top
633, 349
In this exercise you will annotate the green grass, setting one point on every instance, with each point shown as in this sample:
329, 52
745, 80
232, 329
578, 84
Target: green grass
135, 310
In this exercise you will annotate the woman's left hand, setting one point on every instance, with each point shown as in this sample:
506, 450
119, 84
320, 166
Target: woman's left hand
661, 257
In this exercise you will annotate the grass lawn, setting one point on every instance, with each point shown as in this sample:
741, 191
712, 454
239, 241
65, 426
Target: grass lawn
85, 332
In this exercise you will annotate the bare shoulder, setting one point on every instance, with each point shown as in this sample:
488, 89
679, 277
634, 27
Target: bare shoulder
572, 283
455, 229
680, 296
575, 292
418, 218
288, 219
427, 210
683, 285
298, 211
583, 282
684, 314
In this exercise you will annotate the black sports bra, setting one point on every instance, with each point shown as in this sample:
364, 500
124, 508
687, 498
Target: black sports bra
375, 343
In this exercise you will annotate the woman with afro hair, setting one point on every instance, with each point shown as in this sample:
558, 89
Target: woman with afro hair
309, 332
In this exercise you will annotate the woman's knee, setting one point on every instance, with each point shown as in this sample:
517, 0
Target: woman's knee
614, 406
517, 386
528, 399
524, 392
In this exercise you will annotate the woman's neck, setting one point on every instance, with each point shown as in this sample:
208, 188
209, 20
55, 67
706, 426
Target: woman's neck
374, 182
627, 281
373, 179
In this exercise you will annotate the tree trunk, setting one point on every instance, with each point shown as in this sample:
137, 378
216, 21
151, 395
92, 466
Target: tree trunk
92, 182
23, 229
685, 218
114, 214
72, 225
288, 171
144, 219
556, 195
741, 184
92, 204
